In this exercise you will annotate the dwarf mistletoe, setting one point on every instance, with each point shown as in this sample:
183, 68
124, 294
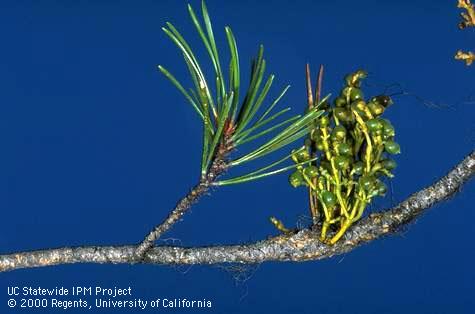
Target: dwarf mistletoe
345, 157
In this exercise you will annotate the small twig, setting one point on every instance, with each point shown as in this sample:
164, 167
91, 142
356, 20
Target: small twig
312, 202
468, 20
318, 96
308, 80
301, 246
318, 88
468, 17
312, 102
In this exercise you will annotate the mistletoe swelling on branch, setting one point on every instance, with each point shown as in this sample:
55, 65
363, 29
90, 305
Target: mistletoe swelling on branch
228, 120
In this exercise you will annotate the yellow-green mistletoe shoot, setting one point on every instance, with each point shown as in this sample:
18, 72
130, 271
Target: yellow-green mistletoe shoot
345, 159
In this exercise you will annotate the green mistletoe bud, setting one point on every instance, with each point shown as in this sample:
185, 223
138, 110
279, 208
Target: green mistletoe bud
344, 149
356, 94
342, 162
359, 105
374, 124
376, 108
379, 188
328, 198
343, 115
389, 164
392, 147
367, 182
388, 129
296, 179
302, 155
311, 172
338, 133
340, 102
358, 167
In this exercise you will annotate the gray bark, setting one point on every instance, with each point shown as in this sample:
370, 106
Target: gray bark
300, 246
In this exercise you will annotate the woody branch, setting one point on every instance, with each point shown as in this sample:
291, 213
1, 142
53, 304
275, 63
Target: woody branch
303, 245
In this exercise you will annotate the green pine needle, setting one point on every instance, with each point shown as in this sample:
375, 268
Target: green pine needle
220, 104
234, 65
256, 79
266, 131
259, 174
258, 102
210, 44
190, 58
273, 104
293, 132
181, 89
238, 138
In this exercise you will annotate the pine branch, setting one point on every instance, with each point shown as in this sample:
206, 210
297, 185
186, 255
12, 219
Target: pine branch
218, 167
227, 122
301, 246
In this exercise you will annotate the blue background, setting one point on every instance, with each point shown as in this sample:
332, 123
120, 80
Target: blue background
96, 147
